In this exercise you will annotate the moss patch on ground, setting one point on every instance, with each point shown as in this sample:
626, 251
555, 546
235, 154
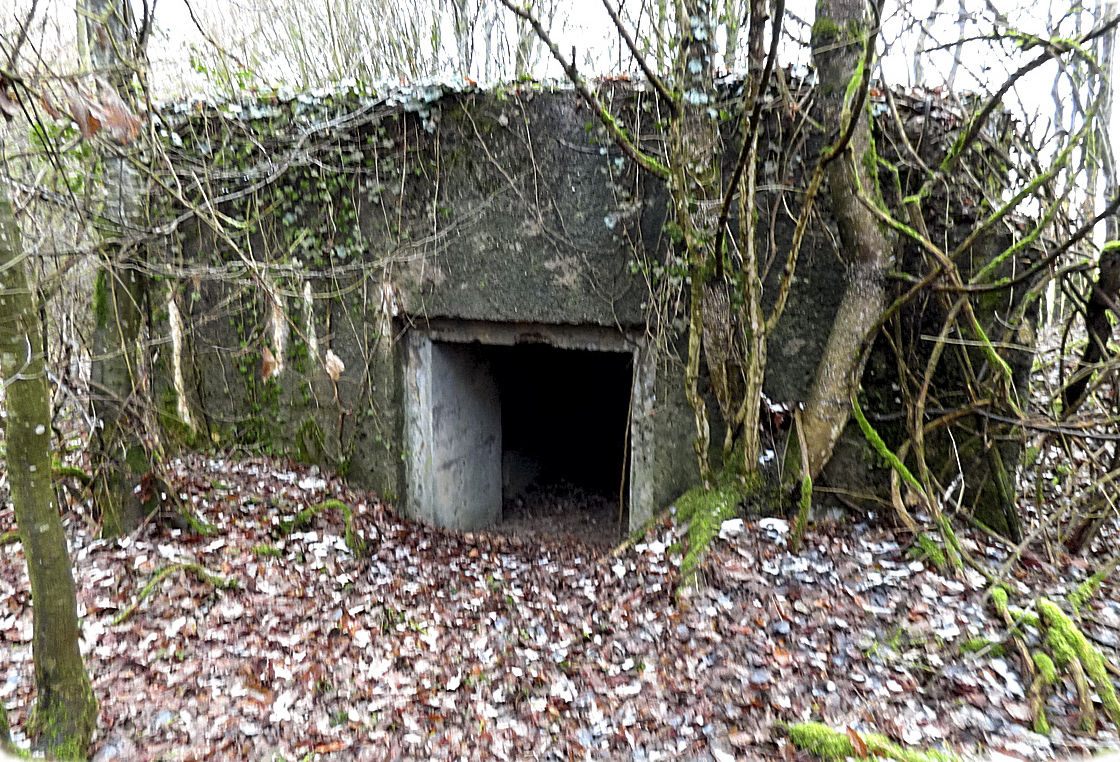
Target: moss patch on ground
704, 511
829, 745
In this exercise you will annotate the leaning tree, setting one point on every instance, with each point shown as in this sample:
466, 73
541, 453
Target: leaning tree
927, 211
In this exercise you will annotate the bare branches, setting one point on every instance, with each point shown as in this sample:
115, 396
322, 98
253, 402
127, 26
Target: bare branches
13, 54
750, 138
651, 77
976, 123
617, 132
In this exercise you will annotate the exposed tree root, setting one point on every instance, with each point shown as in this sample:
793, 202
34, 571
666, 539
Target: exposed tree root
354, 538
204, 574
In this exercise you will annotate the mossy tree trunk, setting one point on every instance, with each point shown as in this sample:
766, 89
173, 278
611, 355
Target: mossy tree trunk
65, 709
840, 35
695, 189
118, 452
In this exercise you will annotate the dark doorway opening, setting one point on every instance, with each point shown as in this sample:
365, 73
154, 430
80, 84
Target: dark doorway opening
564, 422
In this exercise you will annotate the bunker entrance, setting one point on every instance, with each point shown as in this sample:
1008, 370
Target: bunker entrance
564, 420
528, 429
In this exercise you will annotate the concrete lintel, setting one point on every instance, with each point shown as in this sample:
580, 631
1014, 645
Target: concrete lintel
586, 337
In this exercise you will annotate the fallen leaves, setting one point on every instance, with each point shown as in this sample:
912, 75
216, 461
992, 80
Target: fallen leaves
442, 645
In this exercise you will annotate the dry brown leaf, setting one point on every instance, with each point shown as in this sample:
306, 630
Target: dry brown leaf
81, 110
115, 115
334, 366
269, 366
858, 744
332, 746
8, 106
48, 105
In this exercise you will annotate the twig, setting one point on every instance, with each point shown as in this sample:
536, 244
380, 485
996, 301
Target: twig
646, 162
651, 77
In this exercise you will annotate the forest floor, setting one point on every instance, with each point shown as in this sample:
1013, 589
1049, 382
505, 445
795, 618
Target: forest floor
445, 645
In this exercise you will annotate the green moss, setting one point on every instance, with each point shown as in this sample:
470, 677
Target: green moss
705, 510
137, 459
880, 446
1087, 589
803, 506
989, 647
931, 550
828, 744
309, 442
825, 29
197, 525
1069, 636
1020, 618
353, 540
170, 421
855, 28
204, 574
64, 735
59, 471
266, 550
821, 741
870, 161
1046, 669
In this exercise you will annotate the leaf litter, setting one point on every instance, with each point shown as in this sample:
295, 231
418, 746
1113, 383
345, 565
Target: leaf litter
447, 645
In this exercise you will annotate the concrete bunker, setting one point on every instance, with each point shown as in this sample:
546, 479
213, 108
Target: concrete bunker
515, 422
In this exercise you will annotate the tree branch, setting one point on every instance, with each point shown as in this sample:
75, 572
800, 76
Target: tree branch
651, 77
752, 130
620, 136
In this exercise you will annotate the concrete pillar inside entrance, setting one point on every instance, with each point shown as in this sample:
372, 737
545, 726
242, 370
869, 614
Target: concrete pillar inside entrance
453, 418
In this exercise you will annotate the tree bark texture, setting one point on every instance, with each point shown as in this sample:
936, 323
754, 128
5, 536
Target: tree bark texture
119, 456
694, 185
65, 709
753, 331
838, 39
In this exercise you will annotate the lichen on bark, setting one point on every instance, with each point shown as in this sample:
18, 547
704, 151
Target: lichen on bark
65, 709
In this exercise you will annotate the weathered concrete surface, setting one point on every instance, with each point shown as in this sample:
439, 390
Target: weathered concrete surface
465, 442
508, 218
532, 219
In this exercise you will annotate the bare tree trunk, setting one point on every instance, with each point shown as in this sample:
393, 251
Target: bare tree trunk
119, 457
839, 35
65, 709
694, 185
1105, 296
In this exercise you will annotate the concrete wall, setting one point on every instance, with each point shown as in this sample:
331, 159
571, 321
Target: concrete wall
453, 435
505, 217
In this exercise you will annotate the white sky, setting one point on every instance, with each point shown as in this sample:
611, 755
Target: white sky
588, 28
